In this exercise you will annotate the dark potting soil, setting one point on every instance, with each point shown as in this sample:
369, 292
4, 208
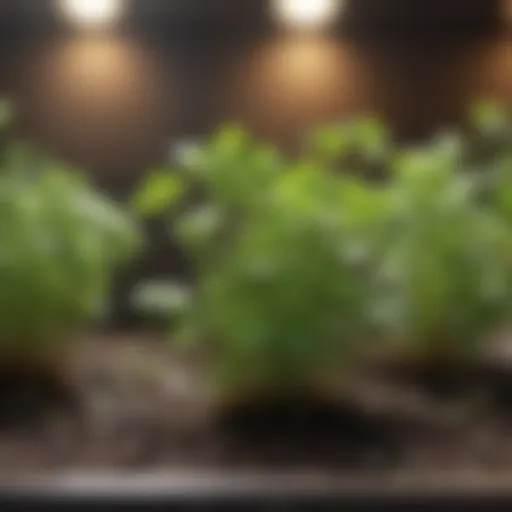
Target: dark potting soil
132, 404
442, 381
28, 394
299, 430
452, 381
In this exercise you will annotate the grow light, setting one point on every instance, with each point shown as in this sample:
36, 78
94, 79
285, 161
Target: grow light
307, 13
92, 12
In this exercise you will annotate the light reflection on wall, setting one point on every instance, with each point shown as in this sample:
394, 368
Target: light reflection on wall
492, 69
114, 103
476, 71
506, 10
297, 81
95, 69
96, 95
283, 86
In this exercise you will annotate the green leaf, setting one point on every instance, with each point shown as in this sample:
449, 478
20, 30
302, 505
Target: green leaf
162, 298
160, 192
489, 117
187, 154
331, 141
7, 114
200, 225
230, 139
372, 138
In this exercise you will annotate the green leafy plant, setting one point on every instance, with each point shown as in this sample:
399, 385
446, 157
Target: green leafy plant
449, 261
282, 252
62, 240
492, 154
296, 266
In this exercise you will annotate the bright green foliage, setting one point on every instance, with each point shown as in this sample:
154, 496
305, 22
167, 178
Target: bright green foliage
159, 191
366, 138
61, 242
493, 124
282, 252
490, 118
6, 114
296, 264
449, 263
502, 197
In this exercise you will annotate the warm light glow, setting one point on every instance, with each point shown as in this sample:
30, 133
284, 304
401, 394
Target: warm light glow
507, 10
299, 82
307, 13
92, 12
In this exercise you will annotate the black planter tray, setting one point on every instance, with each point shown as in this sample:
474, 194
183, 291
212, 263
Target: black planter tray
258, 492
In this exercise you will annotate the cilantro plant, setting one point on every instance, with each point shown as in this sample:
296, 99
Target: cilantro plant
282, 252
62, 240
449, 263
491, 157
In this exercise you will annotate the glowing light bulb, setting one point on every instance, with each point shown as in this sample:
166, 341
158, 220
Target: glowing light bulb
307, 13
92, 12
